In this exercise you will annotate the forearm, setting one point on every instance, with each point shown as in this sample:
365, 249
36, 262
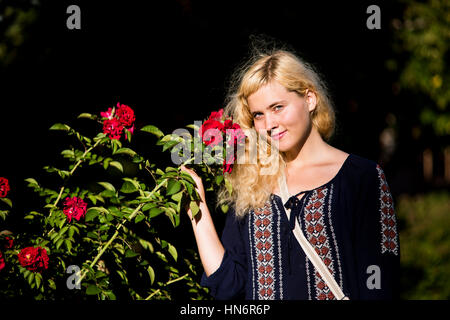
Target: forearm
209, 245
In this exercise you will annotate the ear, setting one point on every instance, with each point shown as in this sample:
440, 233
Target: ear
311, 100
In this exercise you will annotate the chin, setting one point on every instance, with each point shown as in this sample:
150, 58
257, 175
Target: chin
283, 147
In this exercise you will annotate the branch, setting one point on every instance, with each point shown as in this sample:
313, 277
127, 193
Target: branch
114, 236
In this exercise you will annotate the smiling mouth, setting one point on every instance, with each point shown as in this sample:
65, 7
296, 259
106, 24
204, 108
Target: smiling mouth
278, 136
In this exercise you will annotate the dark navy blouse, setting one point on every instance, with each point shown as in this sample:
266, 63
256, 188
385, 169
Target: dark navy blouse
350, 221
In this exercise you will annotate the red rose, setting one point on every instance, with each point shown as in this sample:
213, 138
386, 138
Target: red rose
125, 115
4, 187
113, 128
211, 132
8, 242
228, 164
107, 114
216, 115
235, 135
34, 259
74, 208
2, 261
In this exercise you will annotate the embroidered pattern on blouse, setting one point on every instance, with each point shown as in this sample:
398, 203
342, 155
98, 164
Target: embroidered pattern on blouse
334, 237
316, 233
279, 252
389, 241
264, 252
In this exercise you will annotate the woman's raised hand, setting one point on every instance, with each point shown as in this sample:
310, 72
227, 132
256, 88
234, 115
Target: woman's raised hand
210, 248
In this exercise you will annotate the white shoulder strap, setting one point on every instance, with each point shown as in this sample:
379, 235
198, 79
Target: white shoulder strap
308, 249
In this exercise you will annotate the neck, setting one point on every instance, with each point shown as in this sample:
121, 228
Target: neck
312, 150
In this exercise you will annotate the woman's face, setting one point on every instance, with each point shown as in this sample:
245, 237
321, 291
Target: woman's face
283, 115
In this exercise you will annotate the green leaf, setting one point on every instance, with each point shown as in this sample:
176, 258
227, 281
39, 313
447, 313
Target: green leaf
139, 218
117, 165
86, 115
63, 230
72, 231
128, 133
59, 243
153, 130
93, 212
68, 153
151, 274
30, 277
92, 198
116, 212
193, 126
60, 126
194, 208
7, 201
219, 179
173, 251
92, 290
32, 181
170, 144
177, 197
128, 187
61, 223
148, 206
108, 194
228, 186
68, 244
156, 212
224, 208
51, 284
130, 254
173, 216
126, 151
107, 186
106, 163
173, 187
146, 245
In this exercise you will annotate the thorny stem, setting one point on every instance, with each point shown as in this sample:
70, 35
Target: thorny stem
71, 173
151, 173
150, 296
177, 279
168, 282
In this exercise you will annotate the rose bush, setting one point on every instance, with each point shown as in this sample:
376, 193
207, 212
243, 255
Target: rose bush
116, 232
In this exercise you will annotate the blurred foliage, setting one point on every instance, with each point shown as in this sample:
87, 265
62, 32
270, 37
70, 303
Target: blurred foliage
421, 41
16, 20
425, 245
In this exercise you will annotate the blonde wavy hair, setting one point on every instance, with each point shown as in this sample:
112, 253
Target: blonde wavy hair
250, 188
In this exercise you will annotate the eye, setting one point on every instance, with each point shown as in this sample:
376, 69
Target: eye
257, 115
279, 107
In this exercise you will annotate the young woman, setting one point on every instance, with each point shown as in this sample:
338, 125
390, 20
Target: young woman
341, 201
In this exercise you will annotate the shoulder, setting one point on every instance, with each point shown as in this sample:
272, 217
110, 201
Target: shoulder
365, 172
362, 165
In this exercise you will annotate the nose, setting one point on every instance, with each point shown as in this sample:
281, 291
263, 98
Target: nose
271, 124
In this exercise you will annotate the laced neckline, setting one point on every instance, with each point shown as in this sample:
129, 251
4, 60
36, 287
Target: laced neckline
284, 191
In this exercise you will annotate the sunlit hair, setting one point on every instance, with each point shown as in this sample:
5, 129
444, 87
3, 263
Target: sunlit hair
251, 188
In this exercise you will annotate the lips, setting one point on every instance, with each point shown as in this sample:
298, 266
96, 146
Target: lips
280, 135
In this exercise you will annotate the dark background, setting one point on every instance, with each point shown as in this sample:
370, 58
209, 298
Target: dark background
171, 60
